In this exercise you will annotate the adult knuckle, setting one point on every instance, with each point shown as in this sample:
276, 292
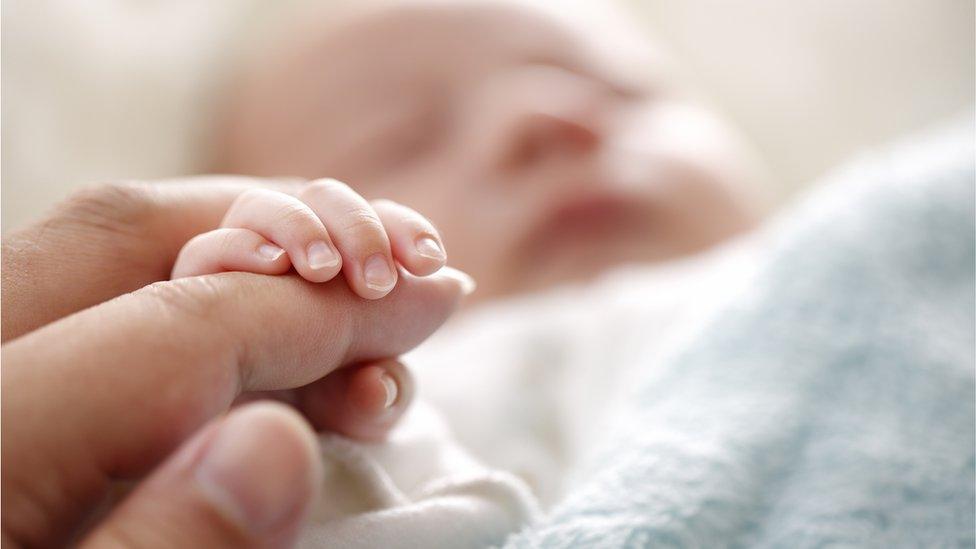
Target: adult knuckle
126, 206
192, 299
114, 193
193, 305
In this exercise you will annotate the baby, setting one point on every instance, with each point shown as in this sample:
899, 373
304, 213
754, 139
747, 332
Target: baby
530, 143
541, 159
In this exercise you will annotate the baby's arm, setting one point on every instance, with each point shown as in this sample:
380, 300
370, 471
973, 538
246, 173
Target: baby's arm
322, 230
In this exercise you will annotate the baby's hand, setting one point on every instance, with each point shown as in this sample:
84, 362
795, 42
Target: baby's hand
326, 228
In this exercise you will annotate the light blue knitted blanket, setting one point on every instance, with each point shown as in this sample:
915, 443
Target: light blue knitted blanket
834, 405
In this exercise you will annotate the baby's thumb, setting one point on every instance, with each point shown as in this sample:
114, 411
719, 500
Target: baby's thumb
246, 480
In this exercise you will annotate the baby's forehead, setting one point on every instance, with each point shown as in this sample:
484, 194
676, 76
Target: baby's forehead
421, 46
438, 41
338, 83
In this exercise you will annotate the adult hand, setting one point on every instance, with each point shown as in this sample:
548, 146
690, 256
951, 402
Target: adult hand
108, 379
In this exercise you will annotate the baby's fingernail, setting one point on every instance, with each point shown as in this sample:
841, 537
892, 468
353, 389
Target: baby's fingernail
270, 251
429, 247
468, 285
321, 256
377, 273
390, 385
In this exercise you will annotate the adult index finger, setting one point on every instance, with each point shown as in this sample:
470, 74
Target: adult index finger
108, 392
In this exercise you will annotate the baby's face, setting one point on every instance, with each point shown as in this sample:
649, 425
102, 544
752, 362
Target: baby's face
536, 159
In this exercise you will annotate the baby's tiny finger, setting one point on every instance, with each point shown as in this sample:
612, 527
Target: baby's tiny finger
224, 250
291, 224
415, 242
362, 401
359, 236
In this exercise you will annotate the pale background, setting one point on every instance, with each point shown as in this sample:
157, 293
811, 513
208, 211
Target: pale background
106, 89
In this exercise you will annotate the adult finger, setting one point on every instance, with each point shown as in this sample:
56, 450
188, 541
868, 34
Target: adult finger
247, 480
129, 380
106, 241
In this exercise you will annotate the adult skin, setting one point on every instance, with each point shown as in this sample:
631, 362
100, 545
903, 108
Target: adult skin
111, 372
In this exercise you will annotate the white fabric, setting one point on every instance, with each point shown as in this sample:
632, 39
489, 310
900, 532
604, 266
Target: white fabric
523, 387
417, 489
526, 384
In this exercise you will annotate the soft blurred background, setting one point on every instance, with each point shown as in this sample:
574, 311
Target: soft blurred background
105, 90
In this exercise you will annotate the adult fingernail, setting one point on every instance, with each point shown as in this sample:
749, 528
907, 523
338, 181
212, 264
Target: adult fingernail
255, 473
270, 251
429, 247
321, 255
468, 284
390, 385
377, 273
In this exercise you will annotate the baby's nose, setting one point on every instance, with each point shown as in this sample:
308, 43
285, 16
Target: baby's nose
537, 134
539, 112
542, 134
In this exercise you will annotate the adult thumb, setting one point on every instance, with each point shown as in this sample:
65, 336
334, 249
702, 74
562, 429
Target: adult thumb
246, 480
